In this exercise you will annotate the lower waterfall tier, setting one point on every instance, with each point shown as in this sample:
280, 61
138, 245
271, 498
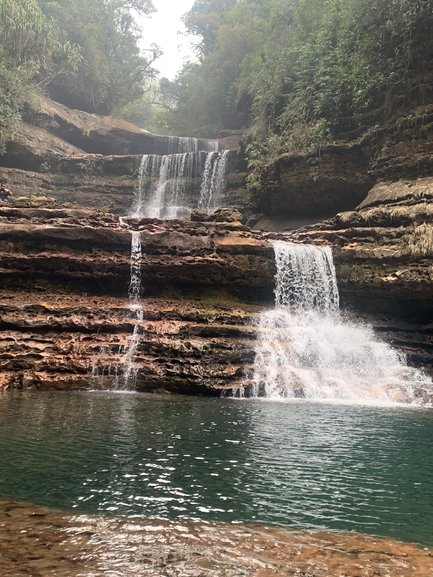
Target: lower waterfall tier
65, 314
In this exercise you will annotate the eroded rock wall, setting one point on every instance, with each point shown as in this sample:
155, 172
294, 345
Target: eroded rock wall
65, 316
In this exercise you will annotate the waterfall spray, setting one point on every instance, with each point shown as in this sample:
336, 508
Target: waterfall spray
306, 349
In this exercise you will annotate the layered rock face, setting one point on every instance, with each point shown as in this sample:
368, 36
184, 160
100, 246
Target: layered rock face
65, 315
384, 249
69, 157
315, 185
65, 271
66, 321
383, 253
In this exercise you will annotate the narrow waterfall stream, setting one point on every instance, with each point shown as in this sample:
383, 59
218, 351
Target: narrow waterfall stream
128, 378
165, 182
118, 368
307, 349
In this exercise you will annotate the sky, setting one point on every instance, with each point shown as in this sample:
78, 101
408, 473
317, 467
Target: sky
165, 28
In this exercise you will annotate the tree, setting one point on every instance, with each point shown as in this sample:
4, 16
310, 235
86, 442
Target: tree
204, 20
112, 72
29, 46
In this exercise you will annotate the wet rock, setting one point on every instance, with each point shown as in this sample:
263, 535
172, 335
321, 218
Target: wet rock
40, 541
64, 312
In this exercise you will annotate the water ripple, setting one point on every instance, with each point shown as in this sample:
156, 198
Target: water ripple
301, 465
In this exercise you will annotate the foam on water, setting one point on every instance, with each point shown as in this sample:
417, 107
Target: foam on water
307, 349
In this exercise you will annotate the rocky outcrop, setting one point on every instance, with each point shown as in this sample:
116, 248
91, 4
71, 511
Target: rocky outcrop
65, 316
89, 181
204, 279
301, 189
315, 185
60, 340
383, 253
383, 250
66, 321
51, 127
77, 246
93, 133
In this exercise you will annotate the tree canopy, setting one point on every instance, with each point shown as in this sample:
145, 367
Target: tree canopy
112, 71
82, 52
300, 73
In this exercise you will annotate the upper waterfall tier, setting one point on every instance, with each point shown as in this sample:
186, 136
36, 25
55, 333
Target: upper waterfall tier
170, 186
179, 144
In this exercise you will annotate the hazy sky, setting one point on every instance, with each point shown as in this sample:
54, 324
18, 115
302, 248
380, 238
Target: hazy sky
165, 28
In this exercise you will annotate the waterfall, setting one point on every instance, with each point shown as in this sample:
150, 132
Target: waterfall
119, 366
129, 376
306, 349
213, 180
187, 144
165, 181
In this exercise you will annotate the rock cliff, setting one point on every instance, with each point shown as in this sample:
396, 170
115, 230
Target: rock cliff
65, 254
65, 316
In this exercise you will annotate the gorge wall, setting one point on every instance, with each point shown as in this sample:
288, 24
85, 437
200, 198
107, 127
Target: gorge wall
65, 315
65, 254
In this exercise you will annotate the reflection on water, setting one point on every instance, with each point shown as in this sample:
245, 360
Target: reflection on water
300, 465
37, 542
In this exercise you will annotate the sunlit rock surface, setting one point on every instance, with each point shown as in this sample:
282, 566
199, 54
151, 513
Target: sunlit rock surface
37, 541
65, 315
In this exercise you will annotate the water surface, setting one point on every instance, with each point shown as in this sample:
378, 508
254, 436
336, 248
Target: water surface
301, 465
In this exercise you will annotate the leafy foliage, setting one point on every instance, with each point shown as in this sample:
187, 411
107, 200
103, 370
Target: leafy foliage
28, 44
305, 72
83, 52
204, 20
112, 72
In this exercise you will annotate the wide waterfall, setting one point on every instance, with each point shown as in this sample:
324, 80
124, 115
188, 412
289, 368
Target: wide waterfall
165, 181
307, 349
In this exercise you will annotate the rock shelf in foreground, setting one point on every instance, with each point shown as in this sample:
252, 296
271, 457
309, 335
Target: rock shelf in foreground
38, 541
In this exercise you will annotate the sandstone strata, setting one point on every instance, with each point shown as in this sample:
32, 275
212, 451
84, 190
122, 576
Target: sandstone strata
384, 249
64, 311
315, 185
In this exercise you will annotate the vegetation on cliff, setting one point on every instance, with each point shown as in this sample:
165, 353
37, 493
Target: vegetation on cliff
301, 73
84, 53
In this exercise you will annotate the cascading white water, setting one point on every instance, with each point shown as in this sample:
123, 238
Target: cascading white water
129, 376
306, 349
120, 366
213, 180
178, 144
164, 179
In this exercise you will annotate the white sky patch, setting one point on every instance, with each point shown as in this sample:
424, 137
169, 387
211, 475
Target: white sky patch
165, 28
